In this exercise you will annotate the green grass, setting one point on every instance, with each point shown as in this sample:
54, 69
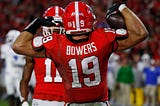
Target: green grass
3, 103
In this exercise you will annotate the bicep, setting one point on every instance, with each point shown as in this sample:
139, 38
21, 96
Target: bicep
124, 44
130, 42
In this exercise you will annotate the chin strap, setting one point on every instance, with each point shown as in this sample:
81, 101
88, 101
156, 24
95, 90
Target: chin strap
69, 37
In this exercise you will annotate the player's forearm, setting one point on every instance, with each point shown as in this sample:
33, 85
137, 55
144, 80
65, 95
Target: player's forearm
24, 90
136, 29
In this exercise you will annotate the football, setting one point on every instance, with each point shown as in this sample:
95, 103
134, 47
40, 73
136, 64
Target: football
116, 21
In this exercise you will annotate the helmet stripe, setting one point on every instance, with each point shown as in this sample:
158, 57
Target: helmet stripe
77, 15
56, 11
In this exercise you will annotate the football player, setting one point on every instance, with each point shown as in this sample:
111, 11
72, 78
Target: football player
81, 55
49, 87
13, 68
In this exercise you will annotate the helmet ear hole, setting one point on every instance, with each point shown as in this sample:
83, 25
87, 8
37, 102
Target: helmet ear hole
78, 18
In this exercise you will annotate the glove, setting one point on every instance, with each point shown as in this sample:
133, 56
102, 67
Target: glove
37, 23
56, 21
25, 103
113, 9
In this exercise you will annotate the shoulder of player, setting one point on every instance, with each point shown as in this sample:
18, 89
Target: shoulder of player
104, 30
110, 30
52, 37
107, 33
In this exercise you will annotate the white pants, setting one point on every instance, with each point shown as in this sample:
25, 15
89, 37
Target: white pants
89, 104
12, 85
38, 102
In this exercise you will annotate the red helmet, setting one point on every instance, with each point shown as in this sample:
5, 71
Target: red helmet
56, 13
78, 18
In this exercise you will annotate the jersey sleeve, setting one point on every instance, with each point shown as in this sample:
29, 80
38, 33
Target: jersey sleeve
48, 44
37, 43
121, 34
111, 36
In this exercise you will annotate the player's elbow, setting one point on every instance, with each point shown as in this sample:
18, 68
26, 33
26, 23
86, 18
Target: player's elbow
143, 33
17, 47
139, 33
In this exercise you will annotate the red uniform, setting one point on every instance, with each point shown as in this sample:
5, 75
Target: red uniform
83, 66
49, 84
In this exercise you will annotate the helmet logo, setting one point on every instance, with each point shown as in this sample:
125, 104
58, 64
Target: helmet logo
70, 24
78, 13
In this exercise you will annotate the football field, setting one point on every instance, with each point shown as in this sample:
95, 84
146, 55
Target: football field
3, 103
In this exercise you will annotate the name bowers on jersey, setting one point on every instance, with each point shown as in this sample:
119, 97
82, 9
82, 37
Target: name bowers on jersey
81, 50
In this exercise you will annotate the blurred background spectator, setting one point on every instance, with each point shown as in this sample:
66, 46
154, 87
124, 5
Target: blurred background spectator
125, 81
113, 67
151, 75
137, 64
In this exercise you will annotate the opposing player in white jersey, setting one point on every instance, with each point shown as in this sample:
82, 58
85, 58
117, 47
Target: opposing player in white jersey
13, 68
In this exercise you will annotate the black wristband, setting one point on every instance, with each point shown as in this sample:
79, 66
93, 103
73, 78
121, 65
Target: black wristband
37, 23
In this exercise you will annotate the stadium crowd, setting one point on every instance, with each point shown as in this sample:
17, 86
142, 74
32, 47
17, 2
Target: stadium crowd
16, 14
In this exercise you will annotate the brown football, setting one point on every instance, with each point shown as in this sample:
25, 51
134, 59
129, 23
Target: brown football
116, 21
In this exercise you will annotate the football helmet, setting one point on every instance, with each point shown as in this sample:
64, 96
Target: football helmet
54, 13
78, 18
12, 35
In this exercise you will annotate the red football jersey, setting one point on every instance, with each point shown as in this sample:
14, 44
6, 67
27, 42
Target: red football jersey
49, 84
83, 66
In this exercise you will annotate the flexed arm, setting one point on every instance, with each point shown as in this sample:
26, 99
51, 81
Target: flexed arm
23, 44
137, 32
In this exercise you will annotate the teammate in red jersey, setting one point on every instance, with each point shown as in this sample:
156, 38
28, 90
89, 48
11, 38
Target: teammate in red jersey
49, 89
81, 55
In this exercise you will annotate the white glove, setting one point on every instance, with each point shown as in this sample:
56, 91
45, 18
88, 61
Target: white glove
25, 103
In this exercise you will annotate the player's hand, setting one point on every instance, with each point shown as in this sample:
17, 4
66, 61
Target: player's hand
48, 21
56, 21
37, 23
113, 9
25, 103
